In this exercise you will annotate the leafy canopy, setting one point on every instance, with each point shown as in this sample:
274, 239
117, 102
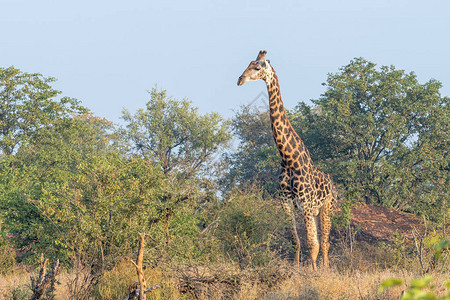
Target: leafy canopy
27, 105
173, 134
382, 135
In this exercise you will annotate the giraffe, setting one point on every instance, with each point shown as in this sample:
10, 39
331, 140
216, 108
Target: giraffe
302, 184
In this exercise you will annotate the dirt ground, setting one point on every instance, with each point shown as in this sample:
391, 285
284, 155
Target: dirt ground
377, 223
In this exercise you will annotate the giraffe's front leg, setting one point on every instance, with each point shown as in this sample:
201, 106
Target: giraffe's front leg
311, 237
325, 224
286, 197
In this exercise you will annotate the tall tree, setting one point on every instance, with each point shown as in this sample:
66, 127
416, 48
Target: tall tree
70, 194
383, 134
173, 134
35, 180
27, 104
256, 159
184, 145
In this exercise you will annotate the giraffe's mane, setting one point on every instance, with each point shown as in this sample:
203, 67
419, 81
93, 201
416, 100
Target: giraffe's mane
275, 77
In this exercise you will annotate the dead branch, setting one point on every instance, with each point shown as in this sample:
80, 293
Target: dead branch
39, 285
86, 275
138, 289
211, 225
153, 287
418, 242
139, 267
134, 290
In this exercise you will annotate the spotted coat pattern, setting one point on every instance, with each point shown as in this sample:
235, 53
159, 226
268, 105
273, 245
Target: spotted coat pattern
302, 184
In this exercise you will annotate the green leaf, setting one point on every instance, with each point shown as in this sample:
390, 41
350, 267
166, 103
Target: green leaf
388, 283
417, 294
421, 283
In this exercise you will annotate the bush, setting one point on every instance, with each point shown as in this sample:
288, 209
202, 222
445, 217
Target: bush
252, 228
19, 292
7, 255
418, 289
115, 283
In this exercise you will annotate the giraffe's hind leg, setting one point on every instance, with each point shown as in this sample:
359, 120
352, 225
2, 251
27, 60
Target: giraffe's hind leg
312, 239
287, 204
285, 186
325, 228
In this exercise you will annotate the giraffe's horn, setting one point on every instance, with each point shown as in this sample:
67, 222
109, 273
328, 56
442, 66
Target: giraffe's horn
261, 55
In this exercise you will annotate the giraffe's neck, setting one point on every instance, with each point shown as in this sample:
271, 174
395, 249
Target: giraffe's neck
282, 129
283, 133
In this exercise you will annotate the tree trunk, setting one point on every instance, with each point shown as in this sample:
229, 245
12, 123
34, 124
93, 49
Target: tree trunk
139, 268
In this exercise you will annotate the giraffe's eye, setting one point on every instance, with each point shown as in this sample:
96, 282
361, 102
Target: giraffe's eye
258, 68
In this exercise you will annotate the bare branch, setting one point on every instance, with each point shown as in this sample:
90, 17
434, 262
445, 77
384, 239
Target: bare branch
139, 289
40, 285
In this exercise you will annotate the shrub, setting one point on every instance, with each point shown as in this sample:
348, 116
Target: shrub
251, 228
7, 255
115, 283
418, 289
19, 292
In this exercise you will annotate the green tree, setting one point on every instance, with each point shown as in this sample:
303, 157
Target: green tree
256, 160
251, 227
27, 105
39, 173
382, 134
184, 145
68, 194
100, 211
173, 134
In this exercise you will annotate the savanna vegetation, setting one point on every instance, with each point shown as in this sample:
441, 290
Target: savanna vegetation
77, 189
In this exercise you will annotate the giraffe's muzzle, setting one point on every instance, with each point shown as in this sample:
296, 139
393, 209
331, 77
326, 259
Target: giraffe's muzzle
241, 80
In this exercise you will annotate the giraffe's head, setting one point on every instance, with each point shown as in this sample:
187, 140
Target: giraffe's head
257, 69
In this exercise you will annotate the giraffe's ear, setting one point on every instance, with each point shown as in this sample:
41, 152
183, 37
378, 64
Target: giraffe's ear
268, 61
261, 55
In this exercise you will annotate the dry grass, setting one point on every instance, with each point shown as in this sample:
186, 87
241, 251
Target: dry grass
17, 285
292, 284
115, 283
331, 284
17, 281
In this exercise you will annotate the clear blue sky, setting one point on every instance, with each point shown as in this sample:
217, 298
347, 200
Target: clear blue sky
109, 53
